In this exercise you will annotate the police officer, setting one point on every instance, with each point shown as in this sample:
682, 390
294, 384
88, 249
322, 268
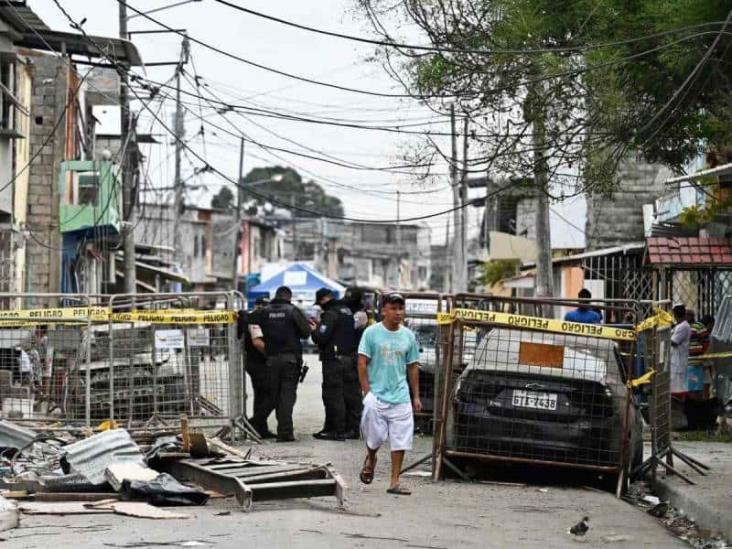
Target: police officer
337, 340
283, 326
256, 365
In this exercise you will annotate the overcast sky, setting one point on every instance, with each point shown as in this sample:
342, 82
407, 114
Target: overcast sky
366, 194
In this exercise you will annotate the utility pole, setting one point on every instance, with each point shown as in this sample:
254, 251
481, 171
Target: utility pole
544, 272
237, 216
458, 259
294, 227
180, 131
398, 218
464, 210
128, 144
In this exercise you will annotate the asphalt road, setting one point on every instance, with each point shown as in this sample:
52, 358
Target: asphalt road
440, 515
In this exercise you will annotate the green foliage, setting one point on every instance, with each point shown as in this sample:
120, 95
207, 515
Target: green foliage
698, 215
608, 83
492, 272
223, 200
291, 189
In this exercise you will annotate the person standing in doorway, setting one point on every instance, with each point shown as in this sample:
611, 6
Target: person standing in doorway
336, 338
283, 327
584, 314
256, 365
388, 356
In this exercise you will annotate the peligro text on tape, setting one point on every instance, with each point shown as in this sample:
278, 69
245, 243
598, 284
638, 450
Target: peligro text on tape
176, 317
35, 317
544, 324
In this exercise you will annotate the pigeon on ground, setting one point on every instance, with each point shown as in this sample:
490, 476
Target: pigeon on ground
580, 529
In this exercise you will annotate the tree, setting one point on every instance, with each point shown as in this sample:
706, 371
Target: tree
223, 200
562, 92
290, 189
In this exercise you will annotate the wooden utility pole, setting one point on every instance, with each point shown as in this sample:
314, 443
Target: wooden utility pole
294, 227
237, 217
180, 132
464, 210
128, 146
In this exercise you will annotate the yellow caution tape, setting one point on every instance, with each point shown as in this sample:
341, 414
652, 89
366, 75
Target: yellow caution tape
81, 315
60, 314
642, 380
660, 319
537, 323
176, 317
710, 356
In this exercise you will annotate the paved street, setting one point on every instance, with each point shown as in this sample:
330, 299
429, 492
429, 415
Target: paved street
440, 515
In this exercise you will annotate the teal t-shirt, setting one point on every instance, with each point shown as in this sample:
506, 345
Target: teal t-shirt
389, 354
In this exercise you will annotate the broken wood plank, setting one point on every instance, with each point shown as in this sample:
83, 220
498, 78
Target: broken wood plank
144, 510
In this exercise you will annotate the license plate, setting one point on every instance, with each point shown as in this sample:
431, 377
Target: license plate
534, 399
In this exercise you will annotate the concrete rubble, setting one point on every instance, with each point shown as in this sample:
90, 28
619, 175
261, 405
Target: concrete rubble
76, 472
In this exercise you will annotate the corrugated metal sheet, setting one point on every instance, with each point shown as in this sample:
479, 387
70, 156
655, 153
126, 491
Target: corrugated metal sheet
15, 436
93, 455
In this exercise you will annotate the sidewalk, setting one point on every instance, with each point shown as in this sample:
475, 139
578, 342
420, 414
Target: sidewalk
709, 501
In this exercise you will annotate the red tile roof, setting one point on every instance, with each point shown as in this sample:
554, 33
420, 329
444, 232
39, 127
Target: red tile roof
689, 251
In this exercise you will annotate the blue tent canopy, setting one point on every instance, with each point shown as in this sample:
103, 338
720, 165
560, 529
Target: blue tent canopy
301, 279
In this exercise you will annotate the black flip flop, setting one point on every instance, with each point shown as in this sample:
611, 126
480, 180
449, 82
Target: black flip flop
366, 476
398, 491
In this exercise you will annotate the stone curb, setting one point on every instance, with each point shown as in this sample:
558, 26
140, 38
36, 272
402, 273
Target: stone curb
718, 521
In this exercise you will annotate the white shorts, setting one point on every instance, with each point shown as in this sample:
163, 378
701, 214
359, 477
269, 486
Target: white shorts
381, 420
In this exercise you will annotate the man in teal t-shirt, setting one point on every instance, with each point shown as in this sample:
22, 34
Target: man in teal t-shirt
387, 357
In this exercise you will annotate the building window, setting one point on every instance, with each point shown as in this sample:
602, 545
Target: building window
203, 245
88, 189
422, 273
195, 245
7, 97
82, 188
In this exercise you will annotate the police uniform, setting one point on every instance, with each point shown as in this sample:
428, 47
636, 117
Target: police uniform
337, 340
283, 326
256, 367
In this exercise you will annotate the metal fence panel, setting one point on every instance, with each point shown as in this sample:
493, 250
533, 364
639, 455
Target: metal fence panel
535, 397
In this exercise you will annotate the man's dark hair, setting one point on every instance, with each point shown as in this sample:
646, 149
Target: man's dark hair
283, 292
707, 320
679, 311
584, 293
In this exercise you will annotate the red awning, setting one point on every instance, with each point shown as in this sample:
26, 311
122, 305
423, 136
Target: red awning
689, 251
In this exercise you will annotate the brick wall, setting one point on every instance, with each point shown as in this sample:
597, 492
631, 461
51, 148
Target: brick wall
43, 256
617, 220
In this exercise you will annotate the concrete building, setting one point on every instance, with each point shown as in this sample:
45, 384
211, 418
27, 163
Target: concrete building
209, 238
368, 254
42, 125
618, 219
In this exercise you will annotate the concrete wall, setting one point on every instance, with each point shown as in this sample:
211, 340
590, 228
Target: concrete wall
49, 95
617, 220
156, 229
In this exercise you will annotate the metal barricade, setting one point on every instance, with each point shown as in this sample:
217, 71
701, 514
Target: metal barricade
44, 347
421, 312
532, 390
171, 354
657, 357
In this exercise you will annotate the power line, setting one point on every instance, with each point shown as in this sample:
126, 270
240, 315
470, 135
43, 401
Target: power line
441, 50
277, 71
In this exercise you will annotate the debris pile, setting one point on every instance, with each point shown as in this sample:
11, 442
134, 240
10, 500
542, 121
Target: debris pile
67, 471
674, 519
